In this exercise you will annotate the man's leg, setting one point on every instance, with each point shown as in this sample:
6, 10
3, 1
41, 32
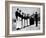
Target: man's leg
24, 23
36, 23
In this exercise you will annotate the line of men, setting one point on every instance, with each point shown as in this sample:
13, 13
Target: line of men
25, 18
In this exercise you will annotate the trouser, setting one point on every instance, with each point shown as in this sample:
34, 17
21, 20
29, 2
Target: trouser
28, 22
23, 22
18, 23
36, 23
31, 21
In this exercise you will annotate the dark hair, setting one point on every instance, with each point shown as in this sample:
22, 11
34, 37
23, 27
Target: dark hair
36, 12
17, 8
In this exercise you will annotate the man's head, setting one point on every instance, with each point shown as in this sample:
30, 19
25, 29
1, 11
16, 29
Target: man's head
17, 8
23, 13
36, 12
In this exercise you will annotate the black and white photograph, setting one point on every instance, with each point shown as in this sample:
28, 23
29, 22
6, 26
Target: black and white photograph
26, 18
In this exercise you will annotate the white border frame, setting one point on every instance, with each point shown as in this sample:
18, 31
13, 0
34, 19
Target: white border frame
24, 32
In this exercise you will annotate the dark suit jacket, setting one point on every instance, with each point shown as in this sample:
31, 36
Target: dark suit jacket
16, 14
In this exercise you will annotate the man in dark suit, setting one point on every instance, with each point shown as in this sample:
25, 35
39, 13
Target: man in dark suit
36, 19
16, 13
